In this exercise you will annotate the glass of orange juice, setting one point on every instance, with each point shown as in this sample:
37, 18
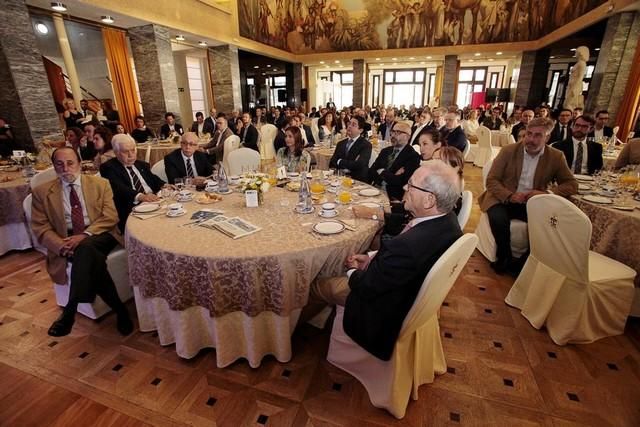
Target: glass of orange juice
344, 197
347, 182
317, 187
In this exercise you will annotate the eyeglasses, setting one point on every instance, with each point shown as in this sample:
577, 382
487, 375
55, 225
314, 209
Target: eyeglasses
418, 188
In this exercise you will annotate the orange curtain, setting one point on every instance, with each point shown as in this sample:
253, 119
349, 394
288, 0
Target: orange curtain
628, 112
124, 85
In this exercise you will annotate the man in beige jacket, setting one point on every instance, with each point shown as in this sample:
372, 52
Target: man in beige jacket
518, 173
74, 217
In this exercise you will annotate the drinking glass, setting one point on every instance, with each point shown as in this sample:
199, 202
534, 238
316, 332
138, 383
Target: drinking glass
179, 183
188, 183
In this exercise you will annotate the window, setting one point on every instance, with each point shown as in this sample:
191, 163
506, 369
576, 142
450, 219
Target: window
470, 80
554, 87
493, 83
196, 86
342, 88
376, 90
277, 91
404, 87
431, 93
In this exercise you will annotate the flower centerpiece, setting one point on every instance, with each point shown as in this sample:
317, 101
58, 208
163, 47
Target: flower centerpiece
258, 183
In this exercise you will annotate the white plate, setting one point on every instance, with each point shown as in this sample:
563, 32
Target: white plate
328, 227
623, 208
292, 174
370, 205
583, 187
369, 192
598, 199
229, 191
180, 213
146, 208
326, 215
185, 199
583, 177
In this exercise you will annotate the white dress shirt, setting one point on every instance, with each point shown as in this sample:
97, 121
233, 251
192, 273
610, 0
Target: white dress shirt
66, 202
200, 128
193, 163
529, 166
598, 134
583, 166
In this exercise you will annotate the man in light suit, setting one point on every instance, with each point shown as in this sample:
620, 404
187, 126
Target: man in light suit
583, 157
353, 153
74, 217
519, 172
187, 161
131, 180
378, 292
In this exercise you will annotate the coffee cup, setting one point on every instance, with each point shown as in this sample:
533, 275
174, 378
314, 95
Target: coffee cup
211, 186
175, 208
184, 194
328, 209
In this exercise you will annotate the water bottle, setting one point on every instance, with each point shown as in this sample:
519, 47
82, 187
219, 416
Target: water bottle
304, 195
223, 183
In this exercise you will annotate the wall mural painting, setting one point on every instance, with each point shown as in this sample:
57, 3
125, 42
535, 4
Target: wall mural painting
307, 26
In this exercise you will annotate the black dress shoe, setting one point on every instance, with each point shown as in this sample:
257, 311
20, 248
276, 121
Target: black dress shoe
501, 266
62, 326
124, 323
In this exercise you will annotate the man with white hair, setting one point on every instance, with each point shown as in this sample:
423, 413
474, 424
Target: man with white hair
378, 292
131, 180
453, 133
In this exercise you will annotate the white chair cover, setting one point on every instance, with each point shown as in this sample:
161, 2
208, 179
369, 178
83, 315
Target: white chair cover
484, 152
315, 130
418, 353
465, 209
147, 155
230, 144
26, 205
46, 175
268, 134
243, 157
467, 151
158, 170
580, 295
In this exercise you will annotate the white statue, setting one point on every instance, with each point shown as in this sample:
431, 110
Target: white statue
573, 96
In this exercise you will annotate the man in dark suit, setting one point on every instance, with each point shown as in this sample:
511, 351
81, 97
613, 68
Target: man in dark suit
385, 128
367, 126
131, 180
583, 157
170, 128
525, 118
211, 120
187, 161
453, 133
353, 153
279, 140
562, 128
249, 133
215, 147
74, 217
600, 129
395, 164
423, 120
314, 113
200, 127
519, 172
378, 292
494, 121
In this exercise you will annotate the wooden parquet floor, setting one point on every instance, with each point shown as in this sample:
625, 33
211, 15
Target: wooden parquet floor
501, 371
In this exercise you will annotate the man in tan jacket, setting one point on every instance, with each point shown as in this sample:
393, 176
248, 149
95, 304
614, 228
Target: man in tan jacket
518, 173
74, 217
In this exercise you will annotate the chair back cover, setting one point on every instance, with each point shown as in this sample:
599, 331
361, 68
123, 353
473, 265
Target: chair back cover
243, 157
42, 177
147, 155
485, 173
267, 136
465, 209
484, 137
315, 129
559, 235
158, 170
230, 144
467, 150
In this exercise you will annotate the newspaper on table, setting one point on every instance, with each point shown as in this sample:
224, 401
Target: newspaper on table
233, 227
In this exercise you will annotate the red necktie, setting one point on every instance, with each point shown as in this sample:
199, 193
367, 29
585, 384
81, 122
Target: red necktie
77, 218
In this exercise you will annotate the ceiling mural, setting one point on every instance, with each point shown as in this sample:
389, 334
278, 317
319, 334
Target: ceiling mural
307, 26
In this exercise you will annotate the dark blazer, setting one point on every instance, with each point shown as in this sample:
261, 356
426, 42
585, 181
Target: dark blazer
456, 138
594, 154
206, 128
278, 142
310, 141
555, 133
516, 129
123, 193
250, 139
606, 131
382, 129
165, 132
492, 124
174, 165
212, 123
382, 295
356, 160
408, 159
339, 125
366, 129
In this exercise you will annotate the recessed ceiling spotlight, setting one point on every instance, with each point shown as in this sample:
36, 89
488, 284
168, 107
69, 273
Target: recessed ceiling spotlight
377, 59
597, 48
552, 57
428, 57
322, 62
42, 28
471, 60
268, 65
275, 69
394, 59
422, 63
476, 54
412, 58
573, 50
264, 74
58, 6
395, 63
336, 61
490, 59
498, 53
107, 19
180, 37
381, 64
256, 66
326, 66
202, 43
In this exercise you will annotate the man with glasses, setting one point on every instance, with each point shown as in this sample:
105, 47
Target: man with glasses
187, 161
562, 128
395, 164
353, 153
453, 133
600, 129
583, 157
378, 292
525, 118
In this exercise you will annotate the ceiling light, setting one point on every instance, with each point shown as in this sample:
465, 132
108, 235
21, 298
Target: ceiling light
476, 54
107, 19
394, 59
322, 62
336, 61
268, 65
42, 28
573, 50
256, 66
326, 66
202, 43
597, 48
498, 53
264, 74
381, 64
552, 57
180, 37
275, 69
428, 57
422, 63
58, 6
471, 60
377, 59
395, 63
412, 58
490, 60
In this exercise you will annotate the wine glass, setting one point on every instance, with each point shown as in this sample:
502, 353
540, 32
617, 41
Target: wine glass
179, 183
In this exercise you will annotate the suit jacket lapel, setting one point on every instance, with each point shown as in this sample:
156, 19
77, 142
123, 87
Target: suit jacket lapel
55, 201
518, 163
90, 198
541, 170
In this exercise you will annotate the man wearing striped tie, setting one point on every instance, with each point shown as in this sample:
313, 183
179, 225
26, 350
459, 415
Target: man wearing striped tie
74, 217
131, 180
187, 161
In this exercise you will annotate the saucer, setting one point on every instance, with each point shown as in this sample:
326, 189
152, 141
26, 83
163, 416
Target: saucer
229, 191
296, 210
179, 213
185, 199
146, 208
322, 214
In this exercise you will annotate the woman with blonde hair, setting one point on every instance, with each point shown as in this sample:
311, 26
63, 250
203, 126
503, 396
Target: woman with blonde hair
72, 117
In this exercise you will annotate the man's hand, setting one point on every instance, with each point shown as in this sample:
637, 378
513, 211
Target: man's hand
518, 197
148, 198
400, 171
530, 194
357, 261
71, 243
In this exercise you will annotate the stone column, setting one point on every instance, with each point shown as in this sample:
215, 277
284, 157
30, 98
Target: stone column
450, 80
151, 49
358, 83
25, 98
614, 64
225, 78
294, 84
532, 81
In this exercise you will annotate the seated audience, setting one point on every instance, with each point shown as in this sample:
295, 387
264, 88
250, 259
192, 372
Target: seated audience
307, 134
438, 121
142, 133
326, 126
248, 133
120, 129
430, 140
215, 147
75, 139
562, 128
583, 157
201, 127
394, 165
494, 121
525, 118
72, 117
211, 120
102, 143
342, 122
453, 133
259, 118
600, 129
519, 172
378, 292
353, 153
170, 128
112, 116
292, 156
423, 120
470, 125
385, 128
187, 161
630, 154
73, 216
131, 180
454, 158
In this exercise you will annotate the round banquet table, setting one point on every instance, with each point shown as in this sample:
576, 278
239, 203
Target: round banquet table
500, 138
14, 233
199, 288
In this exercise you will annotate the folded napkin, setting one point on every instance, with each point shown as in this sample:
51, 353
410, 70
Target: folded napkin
147, 215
